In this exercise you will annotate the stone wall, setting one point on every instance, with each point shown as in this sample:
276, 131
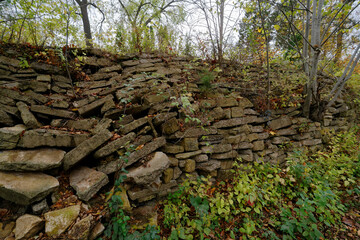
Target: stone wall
134, 113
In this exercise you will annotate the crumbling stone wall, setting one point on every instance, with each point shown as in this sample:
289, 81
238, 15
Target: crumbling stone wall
128, 105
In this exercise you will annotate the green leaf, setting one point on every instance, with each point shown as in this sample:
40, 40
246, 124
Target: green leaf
182, 233
174, 235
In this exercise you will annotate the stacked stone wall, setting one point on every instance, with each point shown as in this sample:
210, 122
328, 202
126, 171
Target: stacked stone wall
134, 113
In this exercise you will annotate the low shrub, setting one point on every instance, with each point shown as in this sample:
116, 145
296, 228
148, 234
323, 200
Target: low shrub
305, 200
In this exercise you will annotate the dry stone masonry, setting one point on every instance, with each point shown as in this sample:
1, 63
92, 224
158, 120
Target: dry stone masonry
133, 112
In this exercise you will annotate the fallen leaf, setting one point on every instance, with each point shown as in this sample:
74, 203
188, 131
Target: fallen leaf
139, 147
348, 222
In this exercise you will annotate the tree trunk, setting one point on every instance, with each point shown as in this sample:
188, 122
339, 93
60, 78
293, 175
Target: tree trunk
311, 90
221, 32
86, 22
267, 49
306, 35
339, 44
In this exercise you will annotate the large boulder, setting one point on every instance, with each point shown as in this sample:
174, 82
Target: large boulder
31, 160
26, 188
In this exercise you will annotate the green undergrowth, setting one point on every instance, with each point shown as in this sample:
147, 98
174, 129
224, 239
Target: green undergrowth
118, 227
307, 200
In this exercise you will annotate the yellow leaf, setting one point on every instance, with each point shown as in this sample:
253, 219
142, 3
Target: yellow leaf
277, 27
139, 147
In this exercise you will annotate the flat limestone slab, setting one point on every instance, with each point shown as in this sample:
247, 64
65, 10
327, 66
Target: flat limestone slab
9, 136
152, 170
92, 107
26, 188
146, 150
114, 145
87, 182
31, 160
50, 138
28, 118
52, 111
85, 148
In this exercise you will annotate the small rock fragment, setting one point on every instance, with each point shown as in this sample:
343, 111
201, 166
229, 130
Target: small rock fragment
81, 229
27, 226
27, 117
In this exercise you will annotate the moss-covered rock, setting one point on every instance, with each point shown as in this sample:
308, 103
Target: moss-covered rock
58, 221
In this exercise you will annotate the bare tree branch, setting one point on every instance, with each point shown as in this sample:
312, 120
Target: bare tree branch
332, 20
103, 14
306, 40
339, 25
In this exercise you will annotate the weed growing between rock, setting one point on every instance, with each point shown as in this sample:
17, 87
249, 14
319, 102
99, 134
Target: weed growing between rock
118, 228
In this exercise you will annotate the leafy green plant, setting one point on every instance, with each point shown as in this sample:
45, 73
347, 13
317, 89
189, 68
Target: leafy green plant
23, 62
206, 78
307, 215
303, 201
183, 103
118, 228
